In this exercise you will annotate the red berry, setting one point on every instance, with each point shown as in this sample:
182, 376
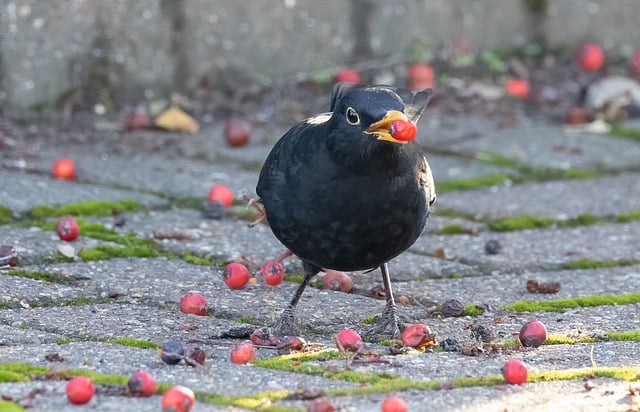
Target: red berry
67, 229
237, 132
273, 272
220, 194
321, 405
348, 76
141, 383
394, 404
417, 335
194, 303
80, 390
64, 169
262, 337
420, 76
591, 57
243, 353
514, 372
533, 333
517, 88
235, 275
405, 131
178, 399
348, 340
337, 280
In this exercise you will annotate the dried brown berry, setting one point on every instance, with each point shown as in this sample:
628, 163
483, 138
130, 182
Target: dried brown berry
492, 247
8, 256
549, 287
452, 308
532, 286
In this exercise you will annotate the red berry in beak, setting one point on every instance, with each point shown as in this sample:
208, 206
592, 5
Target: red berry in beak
403, 130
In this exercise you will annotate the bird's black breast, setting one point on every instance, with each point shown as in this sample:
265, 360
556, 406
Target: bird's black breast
339, 215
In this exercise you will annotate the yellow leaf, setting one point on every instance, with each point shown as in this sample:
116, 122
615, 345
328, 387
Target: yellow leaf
176, 120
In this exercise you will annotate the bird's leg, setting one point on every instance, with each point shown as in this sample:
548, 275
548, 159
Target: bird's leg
389, 318
286, 324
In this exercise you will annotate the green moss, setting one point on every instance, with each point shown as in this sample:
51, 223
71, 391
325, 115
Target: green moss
86, 208
104, 252
454, 214
630, 335
472, 183
189, 203
598, 264
628, 217
495, 159
520, 222
9, 376
39, 275
6, 215
63, 341
294, 277
455, 276
618, 130
247, 320
472, 310
453, 229
369, 320
134, 343
4, 305
560, 305
6, 406
196, 260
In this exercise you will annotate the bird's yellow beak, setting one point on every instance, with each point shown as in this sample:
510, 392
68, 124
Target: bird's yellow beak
382, 128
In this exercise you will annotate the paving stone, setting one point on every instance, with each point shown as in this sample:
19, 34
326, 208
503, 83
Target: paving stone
604, 196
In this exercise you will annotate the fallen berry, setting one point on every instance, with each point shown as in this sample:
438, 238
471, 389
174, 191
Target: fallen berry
194, 303
237, 132
517, 88
235, 275
405, 131
262, 337
80, 390
64, 169
272, 272
576, 115
348, 340
178, 399
171, 352
420, 76
348, 76
514, 372
67, 229
141, 383
193, 355
321, 405
243, 353
291, 343
533, 333
394, 404
492, 247
337, 280
418, 336
591, 57
220, 194
213, 210
452, 308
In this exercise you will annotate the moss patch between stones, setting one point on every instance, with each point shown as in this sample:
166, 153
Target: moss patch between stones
6, 215
598, 264
560, 305
86, 208
39, 275
522, 222
618, 130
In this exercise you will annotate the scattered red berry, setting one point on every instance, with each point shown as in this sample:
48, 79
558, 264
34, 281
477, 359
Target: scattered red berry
292, 343
321, 405
405, 131
514, 372
64, 169
262, 337
141, 383
591, 57
337, 280
194, 303
420, 76
243, 353
137, 118
67, 229
220, 194
80, 390
235, 275
171, 352
273, 272
533, 333
394, 404
517, 88
418, 336
635, 62
237, 132
348, 76
348, 340
178, 399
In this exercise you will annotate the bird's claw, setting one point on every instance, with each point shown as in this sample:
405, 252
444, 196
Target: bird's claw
286, 324
386, 323
251, 202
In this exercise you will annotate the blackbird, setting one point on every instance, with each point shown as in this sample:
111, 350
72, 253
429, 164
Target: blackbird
348, 190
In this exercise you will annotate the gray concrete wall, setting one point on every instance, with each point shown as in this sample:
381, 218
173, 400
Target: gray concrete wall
117, 51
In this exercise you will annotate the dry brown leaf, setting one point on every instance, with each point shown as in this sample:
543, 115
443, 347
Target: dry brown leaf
175, 119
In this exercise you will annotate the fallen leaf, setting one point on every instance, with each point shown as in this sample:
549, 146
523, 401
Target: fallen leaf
175, 119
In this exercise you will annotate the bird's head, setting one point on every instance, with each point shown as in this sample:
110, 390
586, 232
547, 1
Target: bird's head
374, 116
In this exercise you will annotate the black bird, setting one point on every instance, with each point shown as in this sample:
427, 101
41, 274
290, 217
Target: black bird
346, 190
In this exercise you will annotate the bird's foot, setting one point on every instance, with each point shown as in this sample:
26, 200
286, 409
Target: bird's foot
387, 325
262, 215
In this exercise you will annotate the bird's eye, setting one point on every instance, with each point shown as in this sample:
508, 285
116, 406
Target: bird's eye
352, 116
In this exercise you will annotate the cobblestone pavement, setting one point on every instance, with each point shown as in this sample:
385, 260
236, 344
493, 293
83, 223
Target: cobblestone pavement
564, 208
